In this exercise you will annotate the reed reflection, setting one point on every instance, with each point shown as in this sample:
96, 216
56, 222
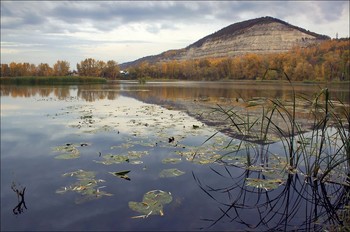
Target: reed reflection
261, 199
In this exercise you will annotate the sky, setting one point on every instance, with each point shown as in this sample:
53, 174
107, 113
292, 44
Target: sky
47, 31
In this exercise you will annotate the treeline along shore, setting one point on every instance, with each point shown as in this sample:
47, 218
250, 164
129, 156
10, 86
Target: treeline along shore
46, 80
323, 62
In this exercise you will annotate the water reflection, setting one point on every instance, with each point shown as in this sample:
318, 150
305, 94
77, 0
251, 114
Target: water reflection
27, 142
229, 92
198, 99
214, 92
21, 204
299, 204
89, 93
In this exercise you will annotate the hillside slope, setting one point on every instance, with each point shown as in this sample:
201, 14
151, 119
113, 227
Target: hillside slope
260, 35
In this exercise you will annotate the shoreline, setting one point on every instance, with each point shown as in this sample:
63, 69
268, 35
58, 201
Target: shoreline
208, 113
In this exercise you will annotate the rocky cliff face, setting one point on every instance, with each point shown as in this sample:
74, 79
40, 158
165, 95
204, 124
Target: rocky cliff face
261, 35
261, 38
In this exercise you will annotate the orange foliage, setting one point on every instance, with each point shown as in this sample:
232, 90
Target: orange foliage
327, 61
87, 67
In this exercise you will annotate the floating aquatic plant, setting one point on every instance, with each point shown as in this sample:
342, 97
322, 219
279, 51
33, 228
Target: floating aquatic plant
86, 186
172, 172
266, 184
152, 203
69, 150
131, 157
171, 160
113, 159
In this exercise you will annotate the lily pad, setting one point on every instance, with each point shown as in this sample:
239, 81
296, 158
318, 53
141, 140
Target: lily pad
113, 159
81, 174
136, 154
235, 160
172, 172
152, 203
116, 159
68, 156
69, 150
204, 157
267, 184
171, 160
86, 186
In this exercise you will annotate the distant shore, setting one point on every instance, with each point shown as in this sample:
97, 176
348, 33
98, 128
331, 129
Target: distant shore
51, 80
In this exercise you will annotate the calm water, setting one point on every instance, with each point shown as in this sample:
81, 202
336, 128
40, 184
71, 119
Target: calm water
128, 120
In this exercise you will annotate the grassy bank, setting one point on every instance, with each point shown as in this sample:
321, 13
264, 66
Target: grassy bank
48, 80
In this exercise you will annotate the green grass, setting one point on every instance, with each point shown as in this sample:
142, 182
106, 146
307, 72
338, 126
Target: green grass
48, 80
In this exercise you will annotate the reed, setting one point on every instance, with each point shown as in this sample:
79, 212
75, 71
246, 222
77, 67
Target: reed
48, 80
322, 152
310, 167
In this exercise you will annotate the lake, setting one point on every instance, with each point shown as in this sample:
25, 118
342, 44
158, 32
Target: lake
132, 157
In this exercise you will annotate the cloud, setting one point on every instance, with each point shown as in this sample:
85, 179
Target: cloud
14, 15
128, 30
103, 16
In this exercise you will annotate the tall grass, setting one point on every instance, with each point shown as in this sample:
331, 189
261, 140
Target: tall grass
48, 80
325, 149
322, 153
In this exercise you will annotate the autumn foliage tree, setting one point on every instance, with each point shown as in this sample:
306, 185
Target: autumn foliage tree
44, 69
98, 68
61, 68
87, 67
111, 69
328, 61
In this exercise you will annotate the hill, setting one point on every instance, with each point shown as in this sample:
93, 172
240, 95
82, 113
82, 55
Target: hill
260, 36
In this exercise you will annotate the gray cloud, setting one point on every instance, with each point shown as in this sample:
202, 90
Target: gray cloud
103, 16
50, 26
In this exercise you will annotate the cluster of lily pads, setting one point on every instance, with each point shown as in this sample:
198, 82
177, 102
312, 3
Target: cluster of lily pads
146, 128
69, 150
132, 157
86, 185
